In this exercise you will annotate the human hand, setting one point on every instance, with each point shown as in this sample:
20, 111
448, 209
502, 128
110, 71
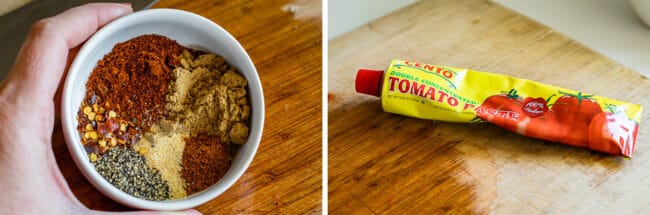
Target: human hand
29, 176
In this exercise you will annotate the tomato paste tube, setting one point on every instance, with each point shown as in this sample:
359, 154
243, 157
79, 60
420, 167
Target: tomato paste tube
522, 106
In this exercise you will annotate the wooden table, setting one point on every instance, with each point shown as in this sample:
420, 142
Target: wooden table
285, 176
386, 163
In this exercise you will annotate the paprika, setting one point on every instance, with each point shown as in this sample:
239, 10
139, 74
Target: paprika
205, 160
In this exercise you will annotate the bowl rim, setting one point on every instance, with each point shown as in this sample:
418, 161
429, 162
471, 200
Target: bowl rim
69, 110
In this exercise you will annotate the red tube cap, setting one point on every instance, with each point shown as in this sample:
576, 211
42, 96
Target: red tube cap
369, 81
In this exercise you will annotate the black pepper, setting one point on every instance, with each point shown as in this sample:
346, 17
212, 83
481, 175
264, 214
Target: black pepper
127, 170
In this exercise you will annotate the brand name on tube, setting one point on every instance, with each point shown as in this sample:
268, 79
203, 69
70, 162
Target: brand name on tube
432, 68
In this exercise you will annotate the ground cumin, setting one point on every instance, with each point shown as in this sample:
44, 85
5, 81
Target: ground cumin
209, 96
205, 160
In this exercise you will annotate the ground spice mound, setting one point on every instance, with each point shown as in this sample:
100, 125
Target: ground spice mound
209, 96
128, 171
205, 160
163, 150
134, 77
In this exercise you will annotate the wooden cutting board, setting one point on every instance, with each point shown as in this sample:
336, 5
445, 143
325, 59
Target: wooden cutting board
386, 163
283, 39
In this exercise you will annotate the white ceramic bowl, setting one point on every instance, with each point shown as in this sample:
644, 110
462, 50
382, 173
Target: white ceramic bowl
189, 30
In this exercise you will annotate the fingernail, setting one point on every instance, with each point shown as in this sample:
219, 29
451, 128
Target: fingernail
127, 4
128, 8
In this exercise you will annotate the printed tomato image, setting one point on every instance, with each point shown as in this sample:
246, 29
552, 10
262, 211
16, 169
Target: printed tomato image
529, 117
503, 110
534, 107
575, 112
573, 119
545, 127
540, 123
612, 132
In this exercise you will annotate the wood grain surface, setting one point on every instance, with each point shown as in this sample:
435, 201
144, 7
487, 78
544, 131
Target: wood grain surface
386, 163
285, 45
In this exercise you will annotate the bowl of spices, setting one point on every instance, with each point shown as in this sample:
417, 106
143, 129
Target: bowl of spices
162, 109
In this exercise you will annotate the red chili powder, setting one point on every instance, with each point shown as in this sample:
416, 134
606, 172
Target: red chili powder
133, 78
205, 160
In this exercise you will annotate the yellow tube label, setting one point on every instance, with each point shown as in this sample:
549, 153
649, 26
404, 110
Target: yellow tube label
529, 108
